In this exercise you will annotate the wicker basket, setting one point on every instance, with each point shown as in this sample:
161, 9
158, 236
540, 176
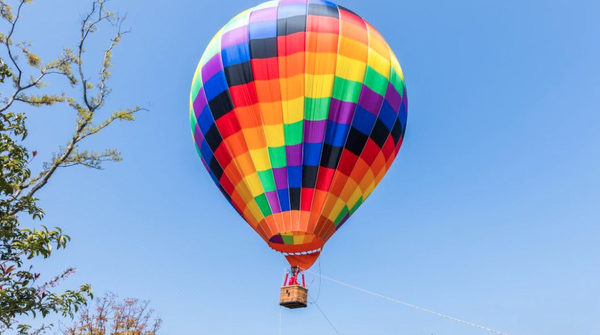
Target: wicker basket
293, 296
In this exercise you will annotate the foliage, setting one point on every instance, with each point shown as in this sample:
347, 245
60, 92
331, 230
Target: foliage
25, 73
113, 317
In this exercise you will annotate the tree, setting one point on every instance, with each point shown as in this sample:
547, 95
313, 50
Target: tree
21, 292
113, 317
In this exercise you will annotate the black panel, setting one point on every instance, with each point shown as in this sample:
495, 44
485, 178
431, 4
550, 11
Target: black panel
221, 105
322, 10
331, 156
239, 74
309, 176
295, 198
213, 138
216, 168
291, 25
380, 133
356, 141
397, 131
263, 48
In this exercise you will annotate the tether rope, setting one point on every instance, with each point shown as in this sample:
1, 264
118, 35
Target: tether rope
325, 316
410, 305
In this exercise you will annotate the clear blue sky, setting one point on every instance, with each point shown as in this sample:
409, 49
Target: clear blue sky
490, 213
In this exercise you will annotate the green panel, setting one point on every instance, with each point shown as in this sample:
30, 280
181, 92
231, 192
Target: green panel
397, 81
277, 156
293, 133
376, 82
341, 216
346, 90
193, 120
356, 205
263, 204
196, 85
316, 109
267, 181
288, 239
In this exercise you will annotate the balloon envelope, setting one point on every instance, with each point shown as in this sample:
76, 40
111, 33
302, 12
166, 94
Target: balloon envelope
298, 109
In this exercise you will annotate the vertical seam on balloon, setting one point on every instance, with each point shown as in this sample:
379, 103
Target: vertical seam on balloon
371, 132
224, 143
202, 158
303, 117
350, 128
378, 113
262, 120
287, 176
326, 123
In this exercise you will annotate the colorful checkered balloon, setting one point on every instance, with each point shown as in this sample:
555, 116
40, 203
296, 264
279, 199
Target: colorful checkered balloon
298, 109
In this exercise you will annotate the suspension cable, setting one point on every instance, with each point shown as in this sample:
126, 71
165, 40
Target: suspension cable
325, 316
410, 305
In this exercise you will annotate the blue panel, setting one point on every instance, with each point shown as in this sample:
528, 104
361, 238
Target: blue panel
284, 199
336, 133
235, 54
387, 115
263, 29
312, 153
205, 120
294, 176
402, 115
206, 153
215, 85
363, 121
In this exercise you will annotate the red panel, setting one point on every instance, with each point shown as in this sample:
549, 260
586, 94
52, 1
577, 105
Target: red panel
222, 155
243, 95
265, 69
388, 147
324, 178
306, 198
322, 24
228, 125
290, 44
370, 151
347, 162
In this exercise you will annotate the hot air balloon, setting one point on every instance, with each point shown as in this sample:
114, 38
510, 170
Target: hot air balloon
298, 109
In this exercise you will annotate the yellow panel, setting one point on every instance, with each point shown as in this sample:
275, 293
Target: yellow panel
320, 63
254, 184
396, 65
380, 64
260, 157
275, 136
337, 209
351, 69
319, 86
378, 46
354, 198
293, 110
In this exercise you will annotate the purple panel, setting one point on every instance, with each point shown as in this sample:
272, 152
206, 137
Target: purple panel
276, 239
212, 67
281, 178
199, 103
370, 100
198, 136
341, 111
314, 131
273, 201
235, 36
294, 154
266, 14
393, 97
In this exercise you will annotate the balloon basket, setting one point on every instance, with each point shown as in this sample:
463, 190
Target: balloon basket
294, 296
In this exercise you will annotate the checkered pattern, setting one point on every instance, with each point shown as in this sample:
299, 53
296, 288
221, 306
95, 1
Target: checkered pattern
298, 108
